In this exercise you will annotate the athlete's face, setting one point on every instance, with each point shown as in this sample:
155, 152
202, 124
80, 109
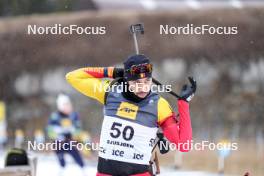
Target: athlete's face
67, 108
140, 87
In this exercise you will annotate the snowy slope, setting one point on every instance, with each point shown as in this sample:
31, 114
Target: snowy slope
48, 165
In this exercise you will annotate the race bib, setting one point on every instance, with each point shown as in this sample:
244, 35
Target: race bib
126, 141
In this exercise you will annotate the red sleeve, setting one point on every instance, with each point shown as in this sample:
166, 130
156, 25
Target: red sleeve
179, 133
100, 72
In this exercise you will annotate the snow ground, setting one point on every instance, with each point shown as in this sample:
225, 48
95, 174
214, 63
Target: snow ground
48, 165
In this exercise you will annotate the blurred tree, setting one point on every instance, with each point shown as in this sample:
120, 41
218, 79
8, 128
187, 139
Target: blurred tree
64, 5
20, 7
25, 7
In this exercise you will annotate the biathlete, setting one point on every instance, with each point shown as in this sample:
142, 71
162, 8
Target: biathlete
63, 126
132, 115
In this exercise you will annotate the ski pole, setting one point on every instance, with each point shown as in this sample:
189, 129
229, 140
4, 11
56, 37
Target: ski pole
139, 28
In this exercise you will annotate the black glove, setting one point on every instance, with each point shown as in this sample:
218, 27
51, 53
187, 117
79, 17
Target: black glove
188, 91
163, 144
118, 73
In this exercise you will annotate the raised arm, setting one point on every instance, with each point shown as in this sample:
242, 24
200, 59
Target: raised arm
88, 81
177, 132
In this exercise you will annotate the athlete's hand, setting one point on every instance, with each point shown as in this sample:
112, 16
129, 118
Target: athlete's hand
188, 91
163, 144
118, 72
